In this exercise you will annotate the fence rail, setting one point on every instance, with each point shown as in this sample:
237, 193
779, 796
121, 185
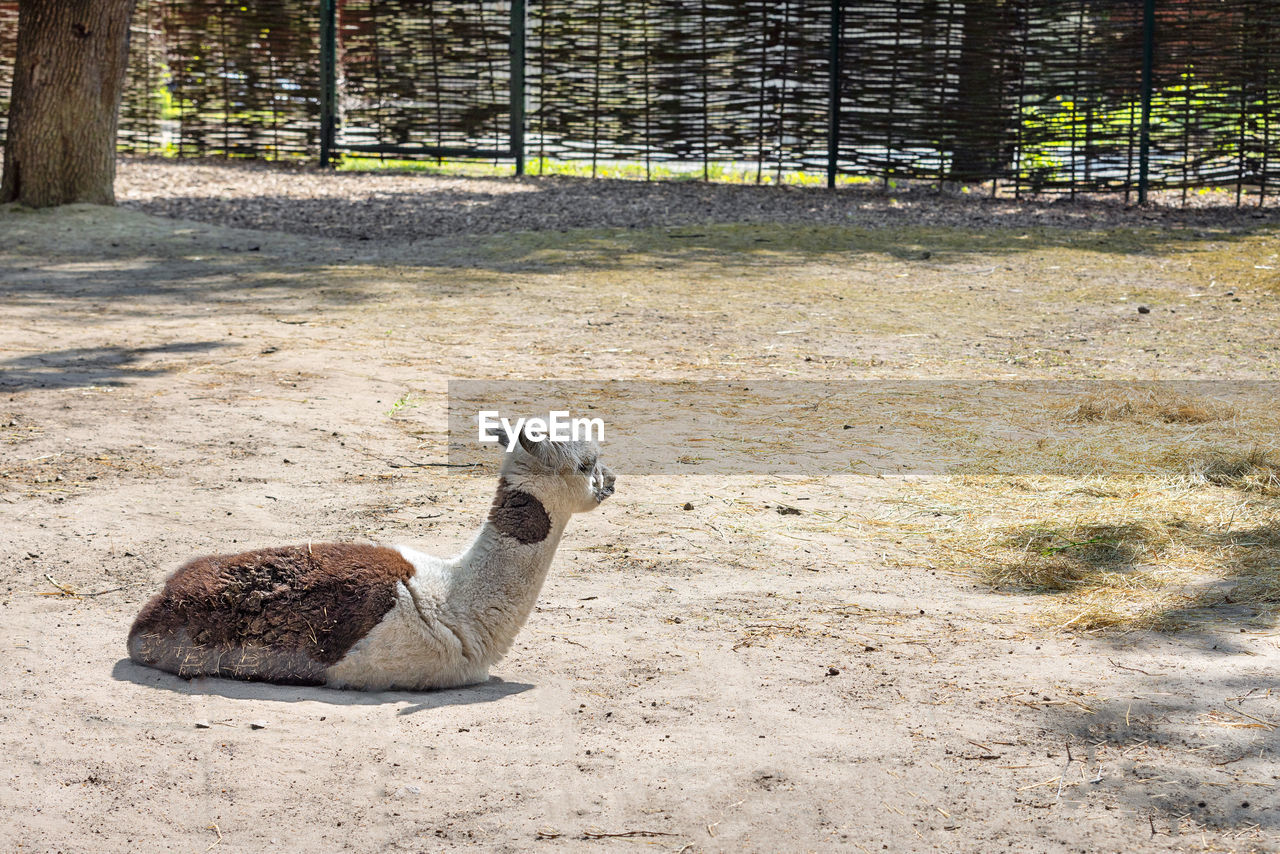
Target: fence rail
1037, 95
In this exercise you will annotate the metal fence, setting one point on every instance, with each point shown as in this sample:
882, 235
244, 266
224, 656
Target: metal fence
1035, 95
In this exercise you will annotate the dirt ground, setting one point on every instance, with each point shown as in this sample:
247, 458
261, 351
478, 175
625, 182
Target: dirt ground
719, 678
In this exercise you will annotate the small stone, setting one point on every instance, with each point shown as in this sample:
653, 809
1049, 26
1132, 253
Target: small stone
1142, 309
202, 724
784, 510
833, 671
257, 724
408, 792
687, 506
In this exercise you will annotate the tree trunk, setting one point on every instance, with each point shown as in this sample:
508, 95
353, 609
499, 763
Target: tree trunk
67, 79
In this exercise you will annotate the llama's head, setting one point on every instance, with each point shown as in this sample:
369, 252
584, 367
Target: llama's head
567, 475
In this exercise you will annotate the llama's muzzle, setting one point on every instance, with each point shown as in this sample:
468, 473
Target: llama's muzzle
606, 485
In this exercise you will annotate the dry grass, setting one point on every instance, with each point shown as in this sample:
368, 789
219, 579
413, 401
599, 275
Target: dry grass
1055, 559
1116, 559
1252, 471
1147, 526
1144, 405
1127, 574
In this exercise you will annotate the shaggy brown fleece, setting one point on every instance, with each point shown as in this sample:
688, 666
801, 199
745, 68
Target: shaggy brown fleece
281, 614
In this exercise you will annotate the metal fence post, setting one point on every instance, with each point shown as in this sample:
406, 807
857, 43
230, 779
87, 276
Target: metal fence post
328, 79
1144, 131
833, 106
518, 23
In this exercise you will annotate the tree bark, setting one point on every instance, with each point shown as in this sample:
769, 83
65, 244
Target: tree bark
68, 77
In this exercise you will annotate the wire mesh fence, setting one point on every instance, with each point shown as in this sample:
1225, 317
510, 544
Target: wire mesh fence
1032, 95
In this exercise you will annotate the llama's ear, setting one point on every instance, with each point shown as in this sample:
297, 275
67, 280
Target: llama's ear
499, 434
530, 446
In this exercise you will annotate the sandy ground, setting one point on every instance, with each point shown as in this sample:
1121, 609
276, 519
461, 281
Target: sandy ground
723, 678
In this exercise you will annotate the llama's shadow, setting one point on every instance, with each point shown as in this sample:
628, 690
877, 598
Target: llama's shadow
486, 692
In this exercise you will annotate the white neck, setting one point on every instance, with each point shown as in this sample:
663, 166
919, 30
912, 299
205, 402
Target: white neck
496, 582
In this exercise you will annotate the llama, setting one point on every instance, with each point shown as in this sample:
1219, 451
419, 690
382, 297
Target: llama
371, 617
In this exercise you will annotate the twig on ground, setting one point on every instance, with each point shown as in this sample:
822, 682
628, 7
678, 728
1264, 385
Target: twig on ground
416, 465
600, 834
1038, 785
58, 584
1244, 755
1134, 669
101, 592
406, 463
67, 591
1268, 724
1062, 778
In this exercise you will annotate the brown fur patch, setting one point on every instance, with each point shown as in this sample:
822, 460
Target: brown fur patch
280, 615
518, 514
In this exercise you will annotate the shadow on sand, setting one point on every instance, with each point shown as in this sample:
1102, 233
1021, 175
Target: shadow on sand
1182, 753
488, 692
93, 366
